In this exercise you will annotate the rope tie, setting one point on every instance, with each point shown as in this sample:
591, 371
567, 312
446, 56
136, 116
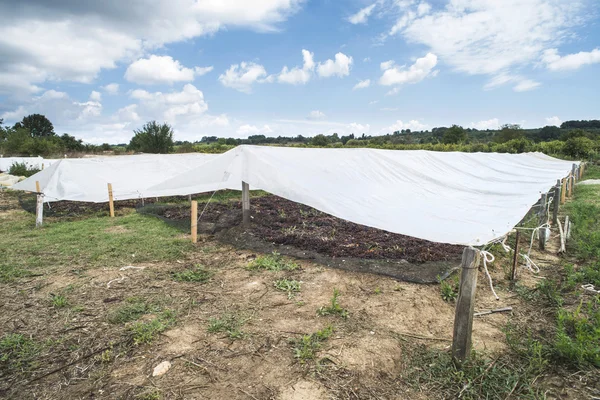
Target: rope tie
488, 257
206, 205
504, 245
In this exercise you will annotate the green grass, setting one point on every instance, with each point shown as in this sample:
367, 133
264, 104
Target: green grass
197, 274
272, 262
26, 251
59, 301
306, 347
334, 307
133, 309
146, 331
227, 323
291, 287
18, 352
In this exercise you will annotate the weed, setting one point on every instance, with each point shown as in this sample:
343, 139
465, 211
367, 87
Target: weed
106, 356
307, 346
196, 274
146, 332
152, 394
378, 291
290, 230
22, 169
18, 352
228, 323
334, 308
291, 287
59, 301
577, 341
282, 214
272, 262
448, 289
550, 291
133, 309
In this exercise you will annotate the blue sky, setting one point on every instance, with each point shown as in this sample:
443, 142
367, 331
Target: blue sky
229, 68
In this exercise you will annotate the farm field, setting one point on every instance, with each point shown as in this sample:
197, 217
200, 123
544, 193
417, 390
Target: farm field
91, 305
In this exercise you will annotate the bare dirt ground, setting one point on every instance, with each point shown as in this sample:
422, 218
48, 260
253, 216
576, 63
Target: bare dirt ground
92, 358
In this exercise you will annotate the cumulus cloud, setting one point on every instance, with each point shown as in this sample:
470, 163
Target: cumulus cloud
316, 115
359, 128
493, 123
362, 84
242, 76
161, 70
362, 15
171, 106
111, 88
95, 96
413, 125
247, 130
41, 43
340, 67
421, 69
556, 62
553, 121
297, 75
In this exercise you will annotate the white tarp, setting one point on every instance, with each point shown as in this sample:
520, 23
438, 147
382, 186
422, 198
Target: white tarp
86, 179
458, 198
31, 162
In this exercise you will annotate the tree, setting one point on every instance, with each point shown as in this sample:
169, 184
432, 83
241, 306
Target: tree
37, 125
153, 138
547, 133
509, 132
455, 134
319, 141
71, 143
579, 147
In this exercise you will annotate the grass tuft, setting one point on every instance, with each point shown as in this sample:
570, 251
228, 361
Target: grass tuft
146, 332
291, 287
272, 262
228, 323
197, 274
334, 308
306, 347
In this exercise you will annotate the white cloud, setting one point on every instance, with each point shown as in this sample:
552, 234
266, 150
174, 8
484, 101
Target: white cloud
493, 123
315, 115
526, 85
373, 102
247, 130
297, 75
362, 16
111, 88
422, 68
556, 62
488, 36
553, 121
242, 76
95, 96
174, 105
367, 59
340, 67
387, 65
362, 84
359, 128
413, 125
161, 70
423, 8
74, 41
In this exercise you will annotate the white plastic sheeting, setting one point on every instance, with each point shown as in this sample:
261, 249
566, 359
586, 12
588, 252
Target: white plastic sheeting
86, 179
458, 198
31, 162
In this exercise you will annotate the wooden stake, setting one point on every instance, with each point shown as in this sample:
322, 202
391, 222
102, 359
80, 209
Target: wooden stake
543, 219
513, 273
39, 206
111, 204
194, 221
245, 203
465, 305
563, 191
556, 201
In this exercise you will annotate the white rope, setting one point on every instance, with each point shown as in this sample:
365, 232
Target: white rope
488, 257
590, 288
504, 245
206, 205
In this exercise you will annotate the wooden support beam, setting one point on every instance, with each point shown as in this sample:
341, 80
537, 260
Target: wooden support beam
465, 305
556, 203
111, 203
515, 263
39, 206
245, 203
543, 219
194, 221
563, 191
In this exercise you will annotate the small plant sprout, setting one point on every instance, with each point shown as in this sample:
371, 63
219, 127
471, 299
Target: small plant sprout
59, 301
291, 287
228, 323
273, 262
448, 289
307, 346
334, 308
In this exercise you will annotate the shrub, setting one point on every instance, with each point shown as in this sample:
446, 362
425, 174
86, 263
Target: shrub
22, 169
153, 138
579, 147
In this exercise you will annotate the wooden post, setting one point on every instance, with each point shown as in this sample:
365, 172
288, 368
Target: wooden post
556, 201
194, 221
465, 305
39, 206
513, 273
111, 204
245, 203
563, 191
543, 219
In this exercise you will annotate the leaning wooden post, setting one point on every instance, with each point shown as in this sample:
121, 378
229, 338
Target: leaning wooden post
245, 203
573, 178
556, 201
194, 221
39, 206
111, 203
542, 221
563, 191
465, 305
513, 273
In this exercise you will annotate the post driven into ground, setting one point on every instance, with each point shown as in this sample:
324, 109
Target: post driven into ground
465, 305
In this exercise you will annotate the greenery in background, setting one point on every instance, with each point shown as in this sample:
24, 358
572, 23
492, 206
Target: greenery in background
21, 169
153, 138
